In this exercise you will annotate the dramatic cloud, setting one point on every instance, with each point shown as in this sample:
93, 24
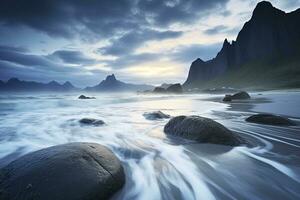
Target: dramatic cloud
220, 29
130, 41
216, 29
102, 18
72, 57
164, 13
187, 54
18, 62
150, 41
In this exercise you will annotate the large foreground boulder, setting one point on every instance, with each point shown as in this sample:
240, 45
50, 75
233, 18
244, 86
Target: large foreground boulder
237, 96
156, 115
270, 119
201, 129
72, 171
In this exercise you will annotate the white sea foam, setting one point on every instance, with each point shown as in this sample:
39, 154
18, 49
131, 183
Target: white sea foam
156, 167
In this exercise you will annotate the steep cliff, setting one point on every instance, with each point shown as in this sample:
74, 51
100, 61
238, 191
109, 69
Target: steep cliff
269, 34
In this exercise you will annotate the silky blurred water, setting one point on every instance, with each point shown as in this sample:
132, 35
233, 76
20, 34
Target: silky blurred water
158, 167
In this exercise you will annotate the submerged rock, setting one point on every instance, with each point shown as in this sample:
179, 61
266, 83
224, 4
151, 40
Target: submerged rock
69, 171
156, 115
201, 129
175, 88
237, 96
90, 121
270, 120
227, 98
85, 97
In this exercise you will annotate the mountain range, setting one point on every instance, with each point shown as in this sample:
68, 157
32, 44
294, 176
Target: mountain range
110, 84
15, 84
266, 53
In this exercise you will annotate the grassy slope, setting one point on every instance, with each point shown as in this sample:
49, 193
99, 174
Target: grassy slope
262, 74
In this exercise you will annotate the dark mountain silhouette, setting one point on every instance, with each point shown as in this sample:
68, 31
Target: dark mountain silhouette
69, 86
15, 84
269, 43
111, 84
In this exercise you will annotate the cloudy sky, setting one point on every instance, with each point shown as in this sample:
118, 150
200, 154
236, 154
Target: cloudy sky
141, 41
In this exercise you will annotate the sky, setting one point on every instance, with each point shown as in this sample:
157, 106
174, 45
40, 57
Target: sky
140, 41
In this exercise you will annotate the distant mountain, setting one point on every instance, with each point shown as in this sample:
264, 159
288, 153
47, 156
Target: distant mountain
15, 84
111, 84
265, 53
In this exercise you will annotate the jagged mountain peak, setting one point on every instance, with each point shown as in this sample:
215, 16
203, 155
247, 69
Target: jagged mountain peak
68, 84
264, 5
53, 83
265, 9
14, 84
198, 60
111, 84
270, 32
13, 80
226, 43
111, 78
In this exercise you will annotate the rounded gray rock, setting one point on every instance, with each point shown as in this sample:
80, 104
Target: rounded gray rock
155, 115
270, 119
201, 129
72, 171
240, 95
91, 121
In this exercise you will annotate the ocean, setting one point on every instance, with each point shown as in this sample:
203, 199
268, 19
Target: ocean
157, 166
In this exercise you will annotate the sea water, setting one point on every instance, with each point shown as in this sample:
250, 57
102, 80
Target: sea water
156, 166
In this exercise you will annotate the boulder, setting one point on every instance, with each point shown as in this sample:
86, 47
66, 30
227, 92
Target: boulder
156, 115
85, 97
90, 121
201, 129
270, 119
237, 96
241, 95
227, 98
175, 88
70, 171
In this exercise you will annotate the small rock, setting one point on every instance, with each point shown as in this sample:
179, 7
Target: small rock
201, 129
90, 121
156, 115
85, 97
270, 119
69, 171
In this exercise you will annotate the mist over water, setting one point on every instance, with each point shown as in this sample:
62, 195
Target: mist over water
156, 166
